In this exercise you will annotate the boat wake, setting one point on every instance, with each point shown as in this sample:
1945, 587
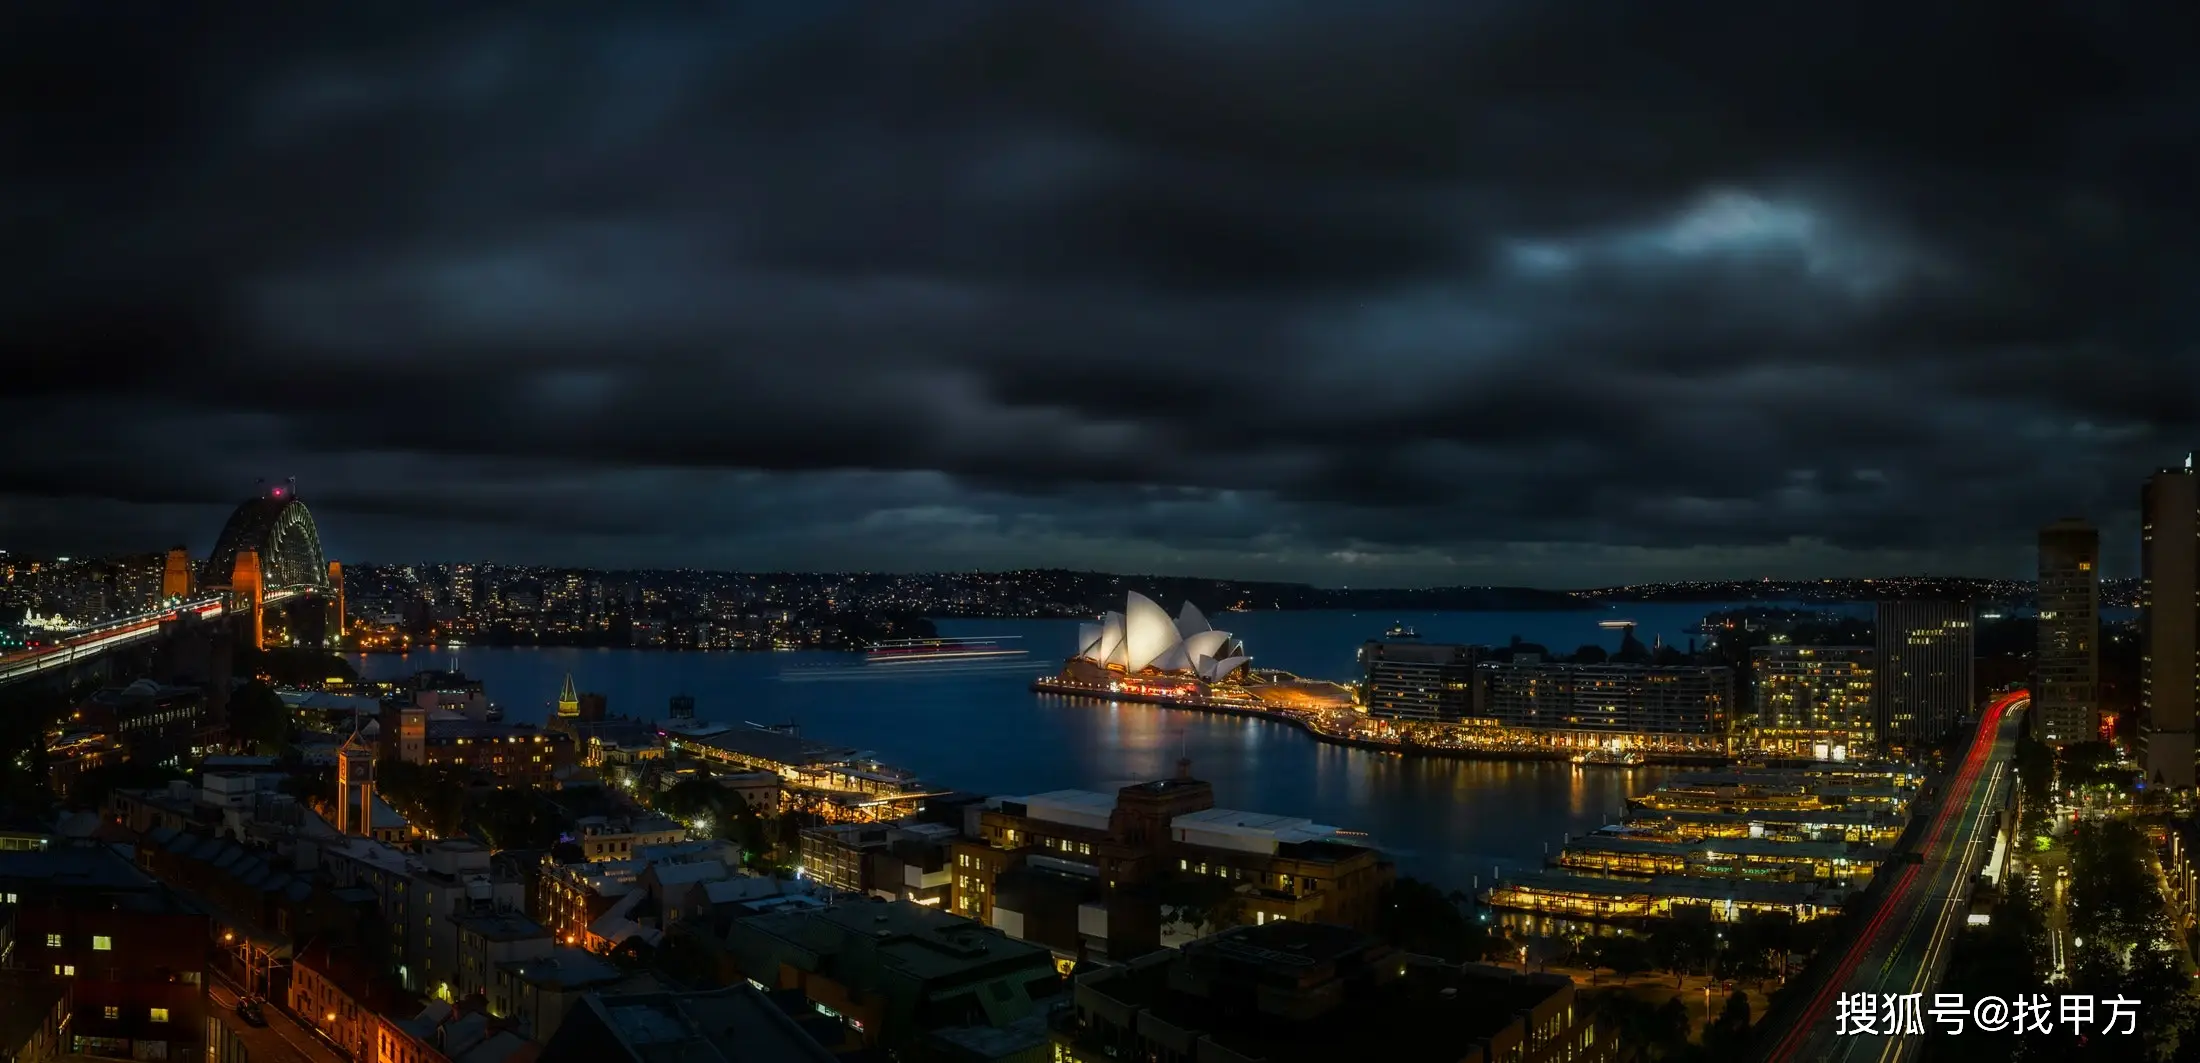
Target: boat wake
935, 668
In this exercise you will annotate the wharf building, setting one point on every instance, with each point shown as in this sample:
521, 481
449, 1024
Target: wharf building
1307, 993
1423, 682
1722, 846
2169, 621
1925, 672
1814, 701
1094, 875
1623, 854
836, 783
1671, 709
2066, 682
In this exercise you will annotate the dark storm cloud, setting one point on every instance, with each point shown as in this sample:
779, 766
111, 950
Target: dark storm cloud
1416, 292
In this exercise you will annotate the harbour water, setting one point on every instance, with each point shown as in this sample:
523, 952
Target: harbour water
978, 727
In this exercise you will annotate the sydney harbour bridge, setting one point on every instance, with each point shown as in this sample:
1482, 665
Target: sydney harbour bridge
266, 564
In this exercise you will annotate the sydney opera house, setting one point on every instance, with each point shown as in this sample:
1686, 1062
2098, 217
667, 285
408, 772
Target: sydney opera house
1142, 641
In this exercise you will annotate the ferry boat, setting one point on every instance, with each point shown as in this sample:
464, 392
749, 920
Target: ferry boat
1401, 631
1618, 757
912, 651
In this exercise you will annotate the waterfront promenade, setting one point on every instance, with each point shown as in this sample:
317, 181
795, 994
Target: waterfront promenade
1346, 727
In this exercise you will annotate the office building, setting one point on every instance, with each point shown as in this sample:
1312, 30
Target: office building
907, 861
904, 977
1097, 874
1814, 701
2066, 674
1686, 708
1306, 993
1925, 672
619, 837
2169, 619
1430, 682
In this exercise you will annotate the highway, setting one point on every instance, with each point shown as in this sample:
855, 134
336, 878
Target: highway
1903, 947
92, 642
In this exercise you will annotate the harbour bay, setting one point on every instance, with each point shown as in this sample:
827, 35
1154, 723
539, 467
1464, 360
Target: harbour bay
977, 727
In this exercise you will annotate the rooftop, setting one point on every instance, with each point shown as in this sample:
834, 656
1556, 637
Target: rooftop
72, 867
773, 747
1425, 1012
714, 1026
1727, 847
503, 926
921, 942
1680, 886
564, 968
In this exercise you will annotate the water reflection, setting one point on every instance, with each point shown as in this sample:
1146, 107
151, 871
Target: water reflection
1452, 821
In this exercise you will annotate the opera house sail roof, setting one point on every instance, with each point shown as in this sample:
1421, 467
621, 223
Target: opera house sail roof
1142, 637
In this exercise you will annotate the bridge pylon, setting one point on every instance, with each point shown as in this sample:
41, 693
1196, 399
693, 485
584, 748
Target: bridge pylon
247, 595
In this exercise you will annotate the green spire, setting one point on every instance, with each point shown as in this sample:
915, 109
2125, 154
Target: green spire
569, 703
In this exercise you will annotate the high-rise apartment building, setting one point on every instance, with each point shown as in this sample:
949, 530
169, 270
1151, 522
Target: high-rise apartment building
1814, 701
1421, 681
2067, 665
2169, 616
1924, 680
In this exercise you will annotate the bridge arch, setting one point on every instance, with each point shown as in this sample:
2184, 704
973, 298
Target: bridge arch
281, 528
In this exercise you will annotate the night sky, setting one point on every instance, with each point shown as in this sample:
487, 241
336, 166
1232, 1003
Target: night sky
1361, 293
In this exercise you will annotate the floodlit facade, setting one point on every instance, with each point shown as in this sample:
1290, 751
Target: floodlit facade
2067, 665
1814, 701
1143, 637
2169, 615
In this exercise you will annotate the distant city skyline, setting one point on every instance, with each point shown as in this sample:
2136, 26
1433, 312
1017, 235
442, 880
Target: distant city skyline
1409, 295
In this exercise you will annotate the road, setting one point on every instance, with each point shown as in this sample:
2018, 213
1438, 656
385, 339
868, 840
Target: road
1904, 946
92, 642
282, 1040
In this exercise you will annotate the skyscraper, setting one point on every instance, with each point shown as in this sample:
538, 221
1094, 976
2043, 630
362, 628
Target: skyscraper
2067, 666
1924, 673
2169, 617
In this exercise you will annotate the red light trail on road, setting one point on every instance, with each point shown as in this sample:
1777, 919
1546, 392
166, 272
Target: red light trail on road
1981, 747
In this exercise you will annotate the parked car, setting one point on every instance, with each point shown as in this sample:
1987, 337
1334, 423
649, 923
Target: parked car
249, 1010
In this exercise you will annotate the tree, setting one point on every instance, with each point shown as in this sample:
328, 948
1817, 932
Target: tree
1418, 917
258, 717
1727, 1037
1626, 956
90, 788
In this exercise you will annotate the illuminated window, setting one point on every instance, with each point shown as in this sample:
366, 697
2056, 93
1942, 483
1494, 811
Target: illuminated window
66, 970
158, 1014
102, 943
53, 941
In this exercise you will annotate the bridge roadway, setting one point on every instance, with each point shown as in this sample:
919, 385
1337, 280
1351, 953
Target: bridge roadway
1905, 944
91, 642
